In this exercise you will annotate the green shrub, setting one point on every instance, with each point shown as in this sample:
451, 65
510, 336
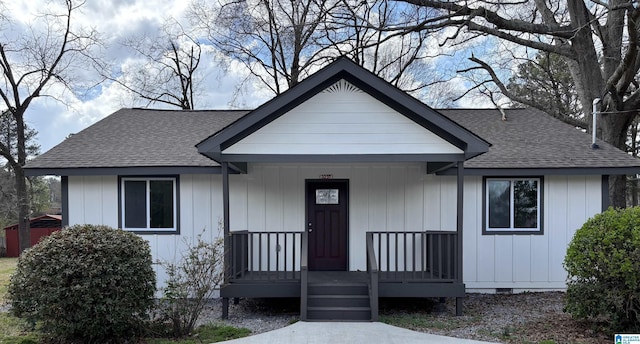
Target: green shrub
603, 265
190, 284
86, 283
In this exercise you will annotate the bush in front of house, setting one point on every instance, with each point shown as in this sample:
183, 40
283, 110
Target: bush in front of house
85, 283
603, 265
190, 284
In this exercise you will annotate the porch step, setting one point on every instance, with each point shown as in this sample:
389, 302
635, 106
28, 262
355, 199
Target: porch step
339, 313
338, 301
338, 289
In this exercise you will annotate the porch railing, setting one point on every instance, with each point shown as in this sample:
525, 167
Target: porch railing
372, 271
416, 256
304, 275
265, 255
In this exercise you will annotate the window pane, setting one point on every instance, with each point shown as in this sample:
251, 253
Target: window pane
327, 196
499, 203
135, 204
525, 203
161, 203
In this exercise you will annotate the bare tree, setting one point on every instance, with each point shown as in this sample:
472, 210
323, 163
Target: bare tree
404, 59
279, 42
166, 69
49, 54
597, 39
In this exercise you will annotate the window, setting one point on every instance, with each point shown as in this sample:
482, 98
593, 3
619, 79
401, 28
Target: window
513, 205
149, 204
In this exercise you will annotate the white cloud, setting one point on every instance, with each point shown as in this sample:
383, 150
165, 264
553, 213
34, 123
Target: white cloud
220, 78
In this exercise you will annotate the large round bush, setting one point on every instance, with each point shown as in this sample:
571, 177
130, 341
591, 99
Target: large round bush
603, 264
86, 283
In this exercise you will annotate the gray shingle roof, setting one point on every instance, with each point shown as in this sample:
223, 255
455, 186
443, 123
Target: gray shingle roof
532, 139
141, 138
166, 138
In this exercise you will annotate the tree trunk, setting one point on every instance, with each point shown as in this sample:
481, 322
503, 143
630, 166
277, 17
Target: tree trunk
614, 131
24, 232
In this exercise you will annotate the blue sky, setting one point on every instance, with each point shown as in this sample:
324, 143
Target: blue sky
119, 19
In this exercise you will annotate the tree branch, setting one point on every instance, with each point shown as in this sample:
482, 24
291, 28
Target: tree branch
496, 80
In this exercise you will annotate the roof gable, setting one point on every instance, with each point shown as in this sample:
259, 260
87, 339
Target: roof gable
342, 119
342, 69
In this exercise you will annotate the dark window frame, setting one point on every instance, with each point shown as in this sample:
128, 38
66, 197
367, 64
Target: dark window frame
176, 207
486, 230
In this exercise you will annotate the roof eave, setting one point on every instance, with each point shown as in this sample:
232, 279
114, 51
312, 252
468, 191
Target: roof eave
545, 171
343, 68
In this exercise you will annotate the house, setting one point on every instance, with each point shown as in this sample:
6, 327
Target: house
41, 226
345, 189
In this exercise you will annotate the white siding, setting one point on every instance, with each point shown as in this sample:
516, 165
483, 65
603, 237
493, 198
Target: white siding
524, 262
383, 197
94, 200
343, 120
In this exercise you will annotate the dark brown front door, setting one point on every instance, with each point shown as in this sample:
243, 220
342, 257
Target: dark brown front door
327, 224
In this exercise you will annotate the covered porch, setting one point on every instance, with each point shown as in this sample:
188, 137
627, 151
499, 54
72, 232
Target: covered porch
342, 118
399, 264
377, 261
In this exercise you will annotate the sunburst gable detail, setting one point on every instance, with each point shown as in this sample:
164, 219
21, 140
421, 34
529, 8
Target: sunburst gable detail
342, 86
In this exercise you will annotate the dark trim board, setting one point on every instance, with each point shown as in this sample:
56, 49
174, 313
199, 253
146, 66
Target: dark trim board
292, 289
110, 171
330, 158
260, 290
368, 82
565, 171
522, 232
151, 232
64, 200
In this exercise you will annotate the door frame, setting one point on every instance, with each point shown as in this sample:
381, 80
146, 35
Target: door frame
345, 183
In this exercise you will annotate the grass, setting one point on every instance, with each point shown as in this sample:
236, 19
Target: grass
7, 266
419, 321
16, 331
206, 334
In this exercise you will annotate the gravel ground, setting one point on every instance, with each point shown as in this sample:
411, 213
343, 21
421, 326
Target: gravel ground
519, 318
257, 315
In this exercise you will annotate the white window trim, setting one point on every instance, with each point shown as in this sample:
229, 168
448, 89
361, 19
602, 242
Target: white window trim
148, 203
512, 228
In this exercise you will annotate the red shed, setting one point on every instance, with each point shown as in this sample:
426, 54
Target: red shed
40, 226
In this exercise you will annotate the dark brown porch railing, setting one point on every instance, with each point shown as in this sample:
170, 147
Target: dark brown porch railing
304, 275
265, 255
372, 271
416, 256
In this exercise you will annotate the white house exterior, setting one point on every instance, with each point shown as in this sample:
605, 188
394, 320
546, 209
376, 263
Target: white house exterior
344, 173
271, 197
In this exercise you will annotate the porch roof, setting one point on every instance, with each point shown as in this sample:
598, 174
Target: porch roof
466, 143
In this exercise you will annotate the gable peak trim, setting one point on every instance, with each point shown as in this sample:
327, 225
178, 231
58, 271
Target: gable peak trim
342, 86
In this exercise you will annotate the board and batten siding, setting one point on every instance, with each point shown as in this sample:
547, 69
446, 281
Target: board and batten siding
94, 200
527, 262
342, 120
383, 197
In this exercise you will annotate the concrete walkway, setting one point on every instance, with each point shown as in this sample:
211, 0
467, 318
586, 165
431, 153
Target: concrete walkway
346, 332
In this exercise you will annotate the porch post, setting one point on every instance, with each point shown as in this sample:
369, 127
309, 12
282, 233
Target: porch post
459, 229
226, 239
